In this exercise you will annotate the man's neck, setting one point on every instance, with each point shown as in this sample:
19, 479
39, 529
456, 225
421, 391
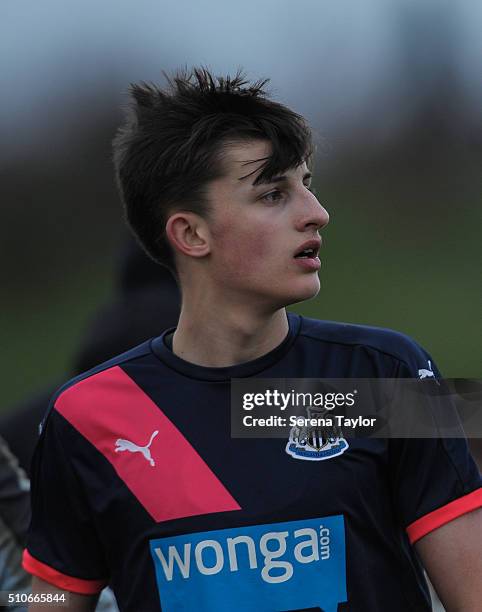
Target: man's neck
227, 338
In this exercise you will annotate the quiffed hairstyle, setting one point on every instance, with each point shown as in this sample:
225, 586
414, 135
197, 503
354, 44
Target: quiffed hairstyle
172, 142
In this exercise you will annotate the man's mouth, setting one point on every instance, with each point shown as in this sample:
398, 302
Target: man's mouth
308, 250
307, 253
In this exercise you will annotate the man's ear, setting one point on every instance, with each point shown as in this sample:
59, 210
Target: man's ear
188, 234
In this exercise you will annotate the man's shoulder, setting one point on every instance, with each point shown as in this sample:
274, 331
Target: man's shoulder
101, 381
392, 343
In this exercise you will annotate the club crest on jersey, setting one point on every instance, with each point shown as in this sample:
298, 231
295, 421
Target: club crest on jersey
316, 443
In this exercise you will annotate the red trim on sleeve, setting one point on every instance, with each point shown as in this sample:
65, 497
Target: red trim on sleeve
444, 515
62, 581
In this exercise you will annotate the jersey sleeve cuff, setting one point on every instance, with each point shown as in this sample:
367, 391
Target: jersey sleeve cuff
443, 515
61, 581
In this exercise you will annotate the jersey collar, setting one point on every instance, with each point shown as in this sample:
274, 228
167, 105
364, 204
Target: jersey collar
250, 368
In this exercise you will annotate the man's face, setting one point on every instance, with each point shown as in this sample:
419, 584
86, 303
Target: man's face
258, 231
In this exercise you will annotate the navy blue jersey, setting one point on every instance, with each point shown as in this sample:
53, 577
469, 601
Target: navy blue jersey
138, 484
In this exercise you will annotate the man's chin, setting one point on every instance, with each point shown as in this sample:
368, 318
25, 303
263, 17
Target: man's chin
306, 292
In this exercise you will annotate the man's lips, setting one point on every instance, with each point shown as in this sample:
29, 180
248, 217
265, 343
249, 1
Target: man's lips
306, 255
308, 250
311, 264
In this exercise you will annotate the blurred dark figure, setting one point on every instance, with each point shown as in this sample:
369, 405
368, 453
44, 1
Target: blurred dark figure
146, 301
14, 520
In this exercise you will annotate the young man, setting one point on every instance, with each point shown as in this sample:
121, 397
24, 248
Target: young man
137, 481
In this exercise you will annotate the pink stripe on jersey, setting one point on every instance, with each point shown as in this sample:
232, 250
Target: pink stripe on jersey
161, 469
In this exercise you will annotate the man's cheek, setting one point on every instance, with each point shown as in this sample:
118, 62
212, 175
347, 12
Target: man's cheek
252, 255
247, 247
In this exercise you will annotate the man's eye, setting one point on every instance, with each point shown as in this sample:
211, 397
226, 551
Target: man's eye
273, 196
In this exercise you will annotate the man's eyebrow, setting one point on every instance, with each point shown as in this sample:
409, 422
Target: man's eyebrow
279, 179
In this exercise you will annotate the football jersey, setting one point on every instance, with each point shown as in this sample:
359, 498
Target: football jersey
137, 483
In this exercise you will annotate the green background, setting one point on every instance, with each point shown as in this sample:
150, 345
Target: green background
401, 251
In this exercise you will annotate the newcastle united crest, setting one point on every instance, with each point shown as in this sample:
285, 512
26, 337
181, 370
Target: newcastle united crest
324, 440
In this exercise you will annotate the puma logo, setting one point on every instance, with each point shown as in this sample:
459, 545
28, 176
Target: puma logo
423, 373
123, 445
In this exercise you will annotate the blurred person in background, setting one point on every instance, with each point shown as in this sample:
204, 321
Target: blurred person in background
137, 482
145, 302
14, 519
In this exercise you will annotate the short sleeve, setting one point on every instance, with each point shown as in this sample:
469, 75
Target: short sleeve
433, 480
62, 547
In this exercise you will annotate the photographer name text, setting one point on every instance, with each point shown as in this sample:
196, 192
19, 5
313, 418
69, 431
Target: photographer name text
297, 421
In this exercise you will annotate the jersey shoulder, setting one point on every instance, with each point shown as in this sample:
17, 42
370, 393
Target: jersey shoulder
97, 379
385, 341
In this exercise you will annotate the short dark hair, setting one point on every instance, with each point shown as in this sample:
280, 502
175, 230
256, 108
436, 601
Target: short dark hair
172, 141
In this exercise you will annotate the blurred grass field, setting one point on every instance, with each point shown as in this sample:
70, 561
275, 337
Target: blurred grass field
381, 266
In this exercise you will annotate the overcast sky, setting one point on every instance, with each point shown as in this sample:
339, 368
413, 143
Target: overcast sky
331, 60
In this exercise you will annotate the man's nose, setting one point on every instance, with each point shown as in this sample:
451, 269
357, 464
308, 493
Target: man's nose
313, 215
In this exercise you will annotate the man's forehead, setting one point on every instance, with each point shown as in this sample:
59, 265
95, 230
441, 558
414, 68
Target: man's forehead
245, 157
244, 160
